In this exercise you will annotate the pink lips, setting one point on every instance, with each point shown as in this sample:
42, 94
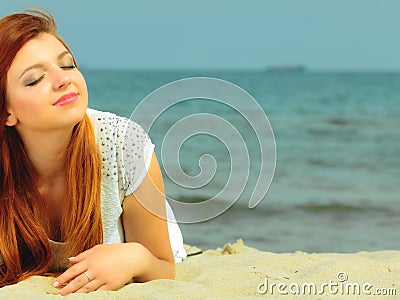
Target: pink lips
66, 99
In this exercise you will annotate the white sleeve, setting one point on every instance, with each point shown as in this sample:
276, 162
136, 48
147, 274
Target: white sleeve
135, 155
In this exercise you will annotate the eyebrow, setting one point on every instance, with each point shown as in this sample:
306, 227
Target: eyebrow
35, 66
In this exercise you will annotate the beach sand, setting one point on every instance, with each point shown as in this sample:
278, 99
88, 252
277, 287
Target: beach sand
237, 270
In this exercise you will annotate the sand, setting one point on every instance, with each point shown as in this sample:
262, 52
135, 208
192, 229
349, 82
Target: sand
237, 271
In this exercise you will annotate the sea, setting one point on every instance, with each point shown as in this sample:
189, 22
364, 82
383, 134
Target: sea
332, 182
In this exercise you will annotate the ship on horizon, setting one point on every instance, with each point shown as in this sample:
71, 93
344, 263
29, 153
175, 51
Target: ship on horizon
288, 68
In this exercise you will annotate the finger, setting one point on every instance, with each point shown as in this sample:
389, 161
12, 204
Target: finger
79, 257
91, 286
73, 272
77, 283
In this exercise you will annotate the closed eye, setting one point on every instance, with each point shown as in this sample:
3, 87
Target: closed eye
35, 82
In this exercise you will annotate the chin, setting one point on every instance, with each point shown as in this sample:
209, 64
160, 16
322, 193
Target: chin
78, 116
74, 116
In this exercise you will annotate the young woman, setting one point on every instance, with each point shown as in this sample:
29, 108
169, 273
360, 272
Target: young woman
74, 183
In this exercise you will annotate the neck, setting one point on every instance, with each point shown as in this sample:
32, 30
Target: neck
47, 152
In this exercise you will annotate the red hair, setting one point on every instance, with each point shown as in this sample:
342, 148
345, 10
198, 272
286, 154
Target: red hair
24, 244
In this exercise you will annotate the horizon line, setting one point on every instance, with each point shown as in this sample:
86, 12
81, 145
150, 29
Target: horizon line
260, 70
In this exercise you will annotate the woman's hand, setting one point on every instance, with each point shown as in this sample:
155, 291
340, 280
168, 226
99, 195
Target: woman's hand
104, 267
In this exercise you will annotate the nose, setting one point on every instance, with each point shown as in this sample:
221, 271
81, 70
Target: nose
61, 79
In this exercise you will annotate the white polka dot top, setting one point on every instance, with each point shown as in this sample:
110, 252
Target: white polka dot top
126, 152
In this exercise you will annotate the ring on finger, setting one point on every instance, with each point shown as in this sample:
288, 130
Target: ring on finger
88, 276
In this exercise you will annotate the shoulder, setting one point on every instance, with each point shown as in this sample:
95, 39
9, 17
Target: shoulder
102, 119
125, 147
108, 122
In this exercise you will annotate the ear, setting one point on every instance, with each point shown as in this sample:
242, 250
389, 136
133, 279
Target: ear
11, 119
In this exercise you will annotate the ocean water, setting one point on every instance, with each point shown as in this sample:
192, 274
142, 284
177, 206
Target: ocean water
337, 178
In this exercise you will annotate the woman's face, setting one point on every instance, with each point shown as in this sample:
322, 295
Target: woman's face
45, 91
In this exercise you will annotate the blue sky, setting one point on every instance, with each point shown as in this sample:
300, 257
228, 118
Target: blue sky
360, 35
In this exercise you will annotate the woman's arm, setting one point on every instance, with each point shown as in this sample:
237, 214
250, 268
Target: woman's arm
144, 222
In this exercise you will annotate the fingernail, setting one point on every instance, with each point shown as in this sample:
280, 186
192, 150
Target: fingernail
72, 257
56, 284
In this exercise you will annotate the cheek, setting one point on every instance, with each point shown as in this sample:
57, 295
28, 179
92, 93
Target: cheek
24, 102
81, 83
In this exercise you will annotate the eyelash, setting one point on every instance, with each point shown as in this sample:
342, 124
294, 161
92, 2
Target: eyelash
69, 67
35, 82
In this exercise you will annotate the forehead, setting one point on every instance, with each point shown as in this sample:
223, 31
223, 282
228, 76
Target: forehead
45, 47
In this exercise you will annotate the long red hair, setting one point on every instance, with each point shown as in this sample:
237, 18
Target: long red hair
24, 244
